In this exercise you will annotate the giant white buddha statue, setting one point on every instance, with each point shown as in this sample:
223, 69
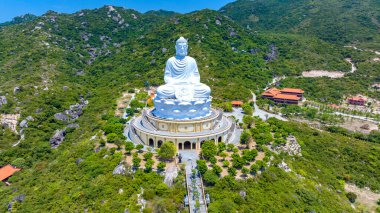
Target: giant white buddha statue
183, 96
182, 80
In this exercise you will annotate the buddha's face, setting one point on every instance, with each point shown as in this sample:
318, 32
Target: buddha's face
181, 48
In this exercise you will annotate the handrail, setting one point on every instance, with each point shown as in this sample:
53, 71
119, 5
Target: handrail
227, 128
147, 122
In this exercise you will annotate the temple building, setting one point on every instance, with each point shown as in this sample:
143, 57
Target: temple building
182, 110
284, 96
357, 100
6, 172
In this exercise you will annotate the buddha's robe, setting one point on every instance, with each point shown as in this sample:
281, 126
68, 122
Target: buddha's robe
182, 79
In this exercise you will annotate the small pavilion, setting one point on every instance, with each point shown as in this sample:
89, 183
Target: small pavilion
6, 172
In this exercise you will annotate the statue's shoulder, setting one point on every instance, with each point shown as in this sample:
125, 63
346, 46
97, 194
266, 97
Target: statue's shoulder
171, 59
189, 58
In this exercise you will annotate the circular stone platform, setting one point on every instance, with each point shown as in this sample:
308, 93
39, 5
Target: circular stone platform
151, 130
175, 109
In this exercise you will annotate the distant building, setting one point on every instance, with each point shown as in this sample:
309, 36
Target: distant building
6, 172
357, 100
236, 103
284, 96
376, 86
334, 106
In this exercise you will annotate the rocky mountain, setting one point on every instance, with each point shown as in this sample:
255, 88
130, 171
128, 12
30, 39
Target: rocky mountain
344, 22
67, 70
19, 20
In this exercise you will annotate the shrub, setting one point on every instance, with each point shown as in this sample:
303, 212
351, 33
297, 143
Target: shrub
351, 197
148, 156
232, 171
202, 166
217, 169
226, 163
210, 177
129, 146
161, 166
213, 160
148, 165
167, 150
209, 149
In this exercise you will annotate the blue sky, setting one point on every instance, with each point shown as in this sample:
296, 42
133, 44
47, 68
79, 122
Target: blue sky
12, 8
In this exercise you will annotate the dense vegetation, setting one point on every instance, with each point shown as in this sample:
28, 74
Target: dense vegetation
57, 59
331, 20
19, 20
316, 183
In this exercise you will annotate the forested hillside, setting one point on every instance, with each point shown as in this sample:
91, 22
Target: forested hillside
344, 22
52, 62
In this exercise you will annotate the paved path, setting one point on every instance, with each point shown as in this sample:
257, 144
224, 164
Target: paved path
193, 183
263, 114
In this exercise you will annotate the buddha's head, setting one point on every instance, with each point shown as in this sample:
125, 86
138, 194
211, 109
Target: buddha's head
181, 47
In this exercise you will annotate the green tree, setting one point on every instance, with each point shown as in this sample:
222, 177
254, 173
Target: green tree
227, 107
217, 169
221, 147
226, 163
19, 163
237, 161
136, 162
112, 138
209, 149
232, 171
210, 177
202, 166
167, 150
247, 109
245, 171
148, 165
130, 111
254, 168
351, 197
116, 128
161, 166
148, 156
129, 146
245, 137
139, 147
162, 189
248, 120
250, 155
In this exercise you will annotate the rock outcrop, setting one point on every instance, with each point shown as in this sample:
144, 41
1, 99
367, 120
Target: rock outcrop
57, 138
73, 113
119, 169
3, 100
291, 147
273, 54
10, 121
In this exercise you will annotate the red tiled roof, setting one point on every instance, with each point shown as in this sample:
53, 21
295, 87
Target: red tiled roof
271, 92
356, 98
237, 102
292, 90
7, 171
287, 97
334, 106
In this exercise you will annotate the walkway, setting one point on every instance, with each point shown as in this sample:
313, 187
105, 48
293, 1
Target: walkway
194, 182
263, 114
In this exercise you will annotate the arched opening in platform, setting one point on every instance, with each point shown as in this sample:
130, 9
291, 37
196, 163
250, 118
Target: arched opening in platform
179, 146
194, 146
159, 143
220, 139
202, 142
151, 142
187, 145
